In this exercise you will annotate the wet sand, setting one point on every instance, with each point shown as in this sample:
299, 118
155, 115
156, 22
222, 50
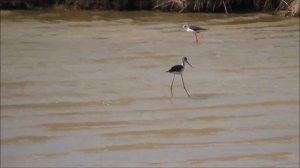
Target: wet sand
90, 89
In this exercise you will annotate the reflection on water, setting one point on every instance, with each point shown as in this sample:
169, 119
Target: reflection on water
89, 88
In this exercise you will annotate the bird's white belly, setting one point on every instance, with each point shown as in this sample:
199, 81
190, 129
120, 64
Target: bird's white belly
189, 30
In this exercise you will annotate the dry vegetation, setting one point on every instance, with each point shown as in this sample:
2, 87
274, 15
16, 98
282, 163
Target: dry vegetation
289, 7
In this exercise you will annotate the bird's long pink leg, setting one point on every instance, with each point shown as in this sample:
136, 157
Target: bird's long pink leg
172, 85
184, 86
196, 37
200, 35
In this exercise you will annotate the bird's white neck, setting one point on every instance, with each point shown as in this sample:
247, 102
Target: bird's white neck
187, 28
183, 62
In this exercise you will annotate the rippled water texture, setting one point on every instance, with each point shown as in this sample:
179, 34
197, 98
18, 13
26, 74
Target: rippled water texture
90, 89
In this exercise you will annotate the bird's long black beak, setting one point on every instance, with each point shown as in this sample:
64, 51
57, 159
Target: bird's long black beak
188, 63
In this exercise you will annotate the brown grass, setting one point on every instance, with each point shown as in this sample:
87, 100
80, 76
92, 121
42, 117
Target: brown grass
227, 6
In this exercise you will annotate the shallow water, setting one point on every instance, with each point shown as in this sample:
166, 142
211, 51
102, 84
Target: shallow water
89, 88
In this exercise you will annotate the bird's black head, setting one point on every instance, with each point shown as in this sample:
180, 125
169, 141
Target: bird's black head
184, 59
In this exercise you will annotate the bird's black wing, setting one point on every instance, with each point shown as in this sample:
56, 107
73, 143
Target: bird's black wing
195, 28
176, 68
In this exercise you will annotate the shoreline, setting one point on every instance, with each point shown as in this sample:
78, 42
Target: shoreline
278, 7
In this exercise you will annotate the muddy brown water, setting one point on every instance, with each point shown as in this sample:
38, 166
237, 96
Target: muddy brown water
89, 88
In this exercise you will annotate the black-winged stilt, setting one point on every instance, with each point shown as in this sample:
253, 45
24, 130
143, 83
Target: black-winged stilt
194, 29
177, 70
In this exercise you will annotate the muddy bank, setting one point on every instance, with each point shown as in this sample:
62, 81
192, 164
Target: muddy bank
281, 7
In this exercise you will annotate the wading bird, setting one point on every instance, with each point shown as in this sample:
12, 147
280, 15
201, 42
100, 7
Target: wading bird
196, 30
177, 70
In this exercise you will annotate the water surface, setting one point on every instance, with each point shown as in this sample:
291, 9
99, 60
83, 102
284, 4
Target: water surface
89, 88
